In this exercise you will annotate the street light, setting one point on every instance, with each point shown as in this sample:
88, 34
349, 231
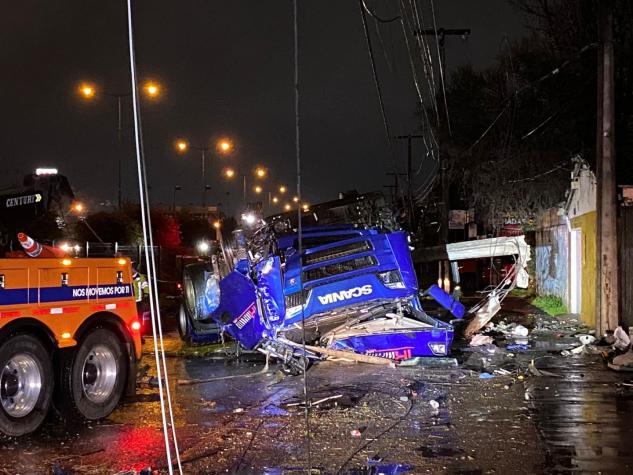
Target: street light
89, 91
275, 200
224, 146
260, 172
152, 89
258, 189
182, 146
287, 207
282, 189
305, 207
295, 199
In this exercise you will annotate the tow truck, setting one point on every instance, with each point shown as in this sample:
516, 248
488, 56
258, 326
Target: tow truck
69, 336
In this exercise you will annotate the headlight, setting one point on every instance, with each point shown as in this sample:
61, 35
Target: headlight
392, 279
438, 348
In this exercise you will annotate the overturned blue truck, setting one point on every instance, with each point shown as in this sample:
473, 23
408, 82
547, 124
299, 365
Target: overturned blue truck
345, 282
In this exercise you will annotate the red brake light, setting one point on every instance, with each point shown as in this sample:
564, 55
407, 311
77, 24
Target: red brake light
136, 325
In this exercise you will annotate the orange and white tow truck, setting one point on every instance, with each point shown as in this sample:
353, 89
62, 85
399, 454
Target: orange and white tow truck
69, 337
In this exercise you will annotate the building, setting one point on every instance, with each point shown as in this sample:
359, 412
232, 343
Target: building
565, 250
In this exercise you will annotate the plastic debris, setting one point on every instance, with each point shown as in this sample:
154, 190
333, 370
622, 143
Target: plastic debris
480, 339
622, 340
486, 376
520, 330
434, 404
355, 433
518, 347
587, 339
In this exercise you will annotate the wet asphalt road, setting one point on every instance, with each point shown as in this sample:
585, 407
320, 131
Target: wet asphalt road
576, 423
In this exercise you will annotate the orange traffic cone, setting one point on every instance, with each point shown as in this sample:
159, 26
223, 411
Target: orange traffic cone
35, 249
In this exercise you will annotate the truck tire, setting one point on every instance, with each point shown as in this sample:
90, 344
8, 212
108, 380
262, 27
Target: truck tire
26, 384
184, 325
92, 379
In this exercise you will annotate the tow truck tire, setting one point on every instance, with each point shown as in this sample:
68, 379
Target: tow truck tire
26, 384
92, 379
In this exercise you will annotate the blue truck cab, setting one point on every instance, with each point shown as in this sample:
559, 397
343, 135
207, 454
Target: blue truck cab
343, 286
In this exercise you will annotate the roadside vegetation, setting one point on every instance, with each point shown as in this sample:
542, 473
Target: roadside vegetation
550, 304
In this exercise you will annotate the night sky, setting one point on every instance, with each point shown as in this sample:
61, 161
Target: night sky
226, 69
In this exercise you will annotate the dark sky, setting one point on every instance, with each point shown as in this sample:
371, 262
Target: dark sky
226, 68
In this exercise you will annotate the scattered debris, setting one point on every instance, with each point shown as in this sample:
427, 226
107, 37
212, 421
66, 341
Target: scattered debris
434, 404
520, 331
540, 372
622, 340
623, 362
486, 376
430, 362
480, 339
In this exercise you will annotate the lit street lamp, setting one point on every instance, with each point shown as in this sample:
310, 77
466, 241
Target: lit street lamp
223, 146
260, 172
258, 189
282, 189
89, 92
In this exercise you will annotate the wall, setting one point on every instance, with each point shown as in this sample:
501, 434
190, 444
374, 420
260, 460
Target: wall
587, 223
551, 256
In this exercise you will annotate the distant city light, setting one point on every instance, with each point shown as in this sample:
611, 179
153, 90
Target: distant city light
287, 207
282, 189
295, 199
260, 172
275, 200
46, 171
258, 189
87, 90
229, 172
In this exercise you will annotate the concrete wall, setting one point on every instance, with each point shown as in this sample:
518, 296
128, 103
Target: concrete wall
587, 224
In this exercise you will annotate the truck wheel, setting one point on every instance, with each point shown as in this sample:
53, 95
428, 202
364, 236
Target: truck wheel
26, 385
184, 326
93, 379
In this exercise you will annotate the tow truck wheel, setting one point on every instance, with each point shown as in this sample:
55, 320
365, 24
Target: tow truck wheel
93, 380
26, 385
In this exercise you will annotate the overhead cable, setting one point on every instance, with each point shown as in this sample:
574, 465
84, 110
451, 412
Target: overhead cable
441, 67
377, 83
150, 259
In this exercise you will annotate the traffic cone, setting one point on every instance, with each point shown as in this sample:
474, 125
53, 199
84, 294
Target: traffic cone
30, 246
35, 249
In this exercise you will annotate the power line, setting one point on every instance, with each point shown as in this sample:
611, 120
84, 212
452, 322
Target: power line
441, 61
532, 85
377, 82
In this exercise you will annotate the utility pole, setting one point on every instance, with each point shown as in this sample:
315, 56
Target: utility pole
411, 209
440, 34
608, 291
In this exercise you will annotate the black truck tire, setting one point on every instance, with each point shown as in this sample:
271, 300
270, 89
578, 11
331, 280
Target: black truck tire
184, 324
26, 384
92, 379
